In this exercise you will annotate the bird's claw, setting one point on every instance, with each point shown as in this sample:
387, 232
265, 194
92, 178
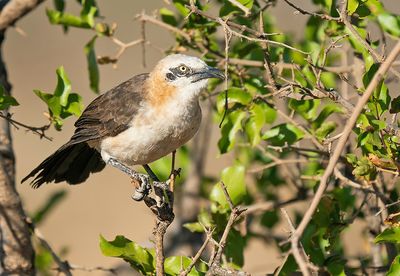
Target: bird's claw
144, 189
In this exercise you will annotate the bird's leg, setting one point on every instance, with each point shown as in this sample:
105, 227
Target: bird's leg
144, 188
151, 173
174, 172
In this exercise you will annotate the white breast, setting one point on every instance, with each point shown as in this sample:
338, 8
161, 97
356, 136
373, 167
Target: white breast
155, 134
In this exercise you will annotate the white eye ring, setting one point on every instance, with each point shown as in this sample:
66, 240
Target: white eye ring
183, 68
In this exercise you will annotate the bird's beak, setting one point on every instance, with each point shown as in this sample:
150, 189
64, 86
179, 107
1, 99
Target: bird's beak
207, 73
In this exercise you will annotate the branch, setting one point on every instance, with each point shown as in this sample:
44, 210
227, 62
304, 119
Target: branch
162, 207
14, 10
63, 266
260, 37
198, 254
377, 57
41, 131
322, 16
337, 152
146, 18
215, 260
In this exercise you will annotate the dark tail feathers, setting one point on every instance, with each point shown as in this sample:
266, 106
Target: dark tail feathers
71, 163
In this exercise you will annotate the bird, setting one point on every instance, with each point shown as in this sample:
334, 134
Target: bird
135, 123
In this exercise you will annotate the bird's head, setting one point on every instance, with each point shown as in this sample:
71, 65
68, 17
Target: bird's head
185, 73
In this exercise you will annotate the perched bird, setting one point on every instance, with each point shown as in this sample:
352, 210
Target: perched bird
135, 123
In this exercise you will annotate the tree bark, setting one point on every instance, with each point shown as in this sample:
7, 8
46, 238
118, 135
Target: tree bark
16, 251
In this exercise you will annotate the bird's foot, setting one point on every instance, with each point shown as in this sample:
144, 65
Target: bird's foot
143, 188
162, 202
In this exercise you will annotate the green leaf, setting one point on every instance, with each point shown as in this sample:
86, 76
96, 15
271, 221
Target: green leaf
5, 100
233, 177
168, 17
235, 96
389, 23
89, 11
92, 65
306, 108
180, 6
283, 133
352, 6
234, 249
85, 20
232, 124
63, 87
138, 257
228, 8
325, 129
391, 234
66, 19
325, 113
173, 266
395, 267
260, 114
194, 227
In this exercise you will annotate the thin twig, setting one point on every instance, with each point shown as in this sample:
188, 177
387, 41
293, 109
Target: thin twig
215, 259
41, 131
155, 21
63, 266
198, 254
292, 229
303, 11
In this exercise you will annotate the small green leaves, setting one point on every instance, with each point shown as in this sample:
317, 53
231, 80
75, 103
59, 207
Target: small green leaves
283, 133
194, 227
233, 178
138, 257
85, 20
5, 100
174, 265
62, 103
142, 259
92, 65
391, 234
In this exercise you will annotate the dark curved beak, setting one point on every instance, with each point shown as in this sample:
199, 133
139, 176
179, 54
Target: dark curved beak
207, 73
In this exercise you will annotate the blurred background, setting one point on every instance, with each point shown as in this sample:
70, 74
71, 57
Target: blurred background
103, 204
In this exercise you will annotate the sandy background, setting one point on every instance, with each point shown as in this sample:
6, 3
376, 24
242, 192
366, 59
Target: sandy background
102, 205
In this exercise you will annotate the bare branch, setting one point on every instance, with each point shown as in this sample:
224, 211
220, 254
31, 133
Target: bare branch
198, 254
146, 18
41, 131
322, 16
63, 266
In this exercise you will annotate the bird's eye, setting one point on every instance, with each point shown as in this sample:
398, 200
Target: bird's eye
183, 68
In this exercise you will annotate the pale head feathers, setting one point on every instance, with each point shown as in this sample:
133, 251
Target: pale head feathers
179, 77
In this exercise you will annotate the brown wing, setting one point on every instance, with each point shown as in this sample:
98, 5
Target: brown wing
110, 113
